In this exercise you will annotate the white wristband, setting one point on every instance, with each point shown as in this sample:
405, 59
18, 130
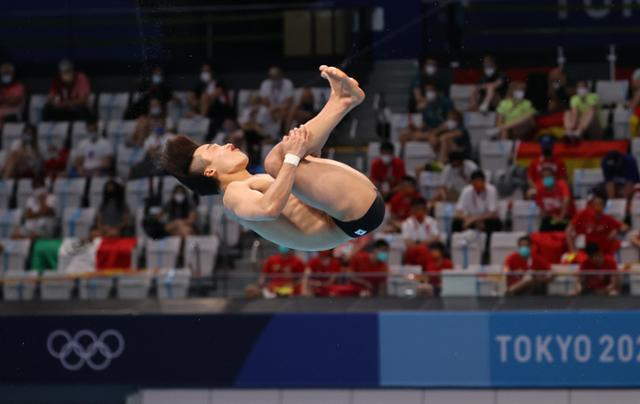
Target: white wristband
291, 159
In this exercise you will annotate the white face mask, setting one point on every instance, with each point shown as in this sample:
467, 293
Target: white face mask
582, 91
430, 70
155, 111
430, 95
6, 78
518, 94
488, 71
156, 79
451, 124
179, 198
205, 77
386, 158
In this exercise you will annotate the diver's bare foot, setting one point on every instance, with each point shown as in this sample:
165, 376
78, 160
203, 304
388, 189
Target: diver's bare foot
343, 88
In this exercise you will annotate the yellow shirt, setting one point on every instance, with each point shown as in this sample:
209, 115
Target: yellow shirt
582, 104
511, 111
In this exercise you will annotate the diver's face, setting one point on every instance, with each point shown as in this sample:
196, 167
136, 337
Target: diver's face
225, 159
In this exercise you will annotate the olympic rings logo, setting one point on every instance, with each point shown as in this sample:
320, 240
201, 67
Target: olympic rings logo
85, 347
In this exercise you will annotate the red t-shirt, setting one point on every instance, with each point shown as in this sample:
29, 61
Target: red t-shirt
78, 89
437, 267
515, 262
595, 282
550, 200
534, 172
391, 173
401, 204
597, 229
317, 266
282, 264
11, 96
362, 263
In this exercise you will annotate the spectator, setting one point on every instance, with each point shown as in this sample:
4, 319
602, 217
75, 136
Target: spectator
387, 170
634, 104
435, 108
581, 120
545, 160
523, 260
93, 155
515, 114
113, 218
606, 284
373, 266
68, 95
554, 200
303, 110
596, 226
429, 74
12, 94
400, 201
255, 116
437, 261
620, 172
557, 90
210, 98
277, 94
39, 216
477, 206
451, 137
419, 228
490, 89
153, 87
154, 117
320, 274
281, 274
180, 213
455, 176
24, 159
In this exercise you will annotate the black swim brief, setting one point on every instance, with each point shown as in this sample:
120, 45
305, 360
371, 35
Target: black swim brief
367, 223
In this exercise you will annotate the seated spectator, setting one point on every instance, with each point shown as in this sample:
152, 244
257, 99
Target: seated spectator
372, 264
452, 136
12, 94
255, 116
210, 98
620, 172
606, 284
154, 117
320, 274
634, 104
545, 160
435, 108
596, 226
93, 155
39, 216
455, 176
387, 170
533, 281
180, 213
113, 218
515, 114
437, 261
152, 87
557, 90
428, 74
490, 89
24, 159
400, 201
302, 111
554, 200
581, 120
68, 95
56, 158
419, 228
277, 95
281, 274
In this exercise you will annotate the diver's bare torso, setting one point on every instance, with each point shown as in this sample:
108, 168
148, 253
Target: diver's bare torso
299, 226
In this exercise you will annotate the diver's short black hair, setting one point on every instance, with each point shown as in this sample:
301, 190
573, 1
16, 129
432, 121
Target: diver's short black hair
177, 160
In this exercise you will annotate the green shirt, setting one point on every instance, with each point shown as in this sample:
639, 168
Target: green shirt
511, 111
582, 104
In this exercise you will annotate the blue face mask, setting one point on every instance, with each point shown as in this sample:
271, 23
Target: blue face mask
283, 250
382, 256
548, 181
524, 251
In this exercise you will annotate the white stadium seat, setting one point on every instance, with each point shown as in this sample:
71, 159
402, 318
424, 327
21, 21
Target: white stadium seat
398, 283
112, 105
635, 148
14, 254
495, 155
52, 136
490, 280
56, 286
9, 219
77, 222
477, 123
611, 92
172, 283
444, 212
200, 254
502, 244
6, 188
163, 252
36, 105
525, 216
69, 192
417, 154
616, 208
11, 131
96, 190
136, 192
564, 283
400, 121
227, 230
168, 183
19, 285
460, 94
195, 128
466, 248
134, 285
126, 158
118, 131
429, 182
621, 123
24, 190
242, 100
177, 106
585, 179
95, 288
79, 131
635, 213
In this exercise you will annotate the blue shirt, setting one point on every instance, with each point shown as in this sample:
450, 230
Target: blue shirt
622, 170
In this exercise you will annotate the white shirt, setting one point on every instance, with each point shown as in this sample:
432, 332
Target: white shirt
94, 153
473, 204
458, 178
420, 231
276, 91
256, 114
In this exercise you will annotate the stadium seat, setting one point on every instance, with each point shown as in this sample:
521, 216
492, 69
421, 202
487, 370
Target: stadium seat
134, 285
126, 158
79, 131
429, 182
400, 121
627, 253
36, 105
444, 212
201, 253
168, 183
466, 248
525, 216
490, 280
14, 254
565, 281
112, 105
495, 155
6, 190
616, 208
320, 96
503, 209
417, 154
502, 244
95, 287
459, 283
172, 283
56, 286
96, 189
137, 192
621, 123
163, 252
118, 131
52, 134
69, 192
77, 222
195, 128
9, 219
242, 99
584, 179
477, 123
11, 131
612, 92
635, 213
635, 148
460, 95
24, 190
19, 285
227, 230
398, 282
177, 106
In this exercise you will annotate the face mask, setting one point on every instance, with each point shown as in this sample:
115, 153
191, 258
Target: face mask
156, 79
283, 250
430, 70
155, 111
518, 94
386, 159
430, 95
179, 198
205, 77
6, 78
382, 256
548, 181
582, 91
488, 71
451, 124
524, 251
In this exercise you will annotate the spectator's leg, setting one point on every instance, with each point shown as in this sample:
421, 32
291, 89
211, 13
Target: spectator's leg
569, 119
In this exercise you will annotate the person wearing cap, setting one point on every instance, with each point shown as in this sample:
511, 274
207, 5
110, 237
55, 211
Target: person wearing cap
68, 95
545, 160
12, 94
620, 172
581, 119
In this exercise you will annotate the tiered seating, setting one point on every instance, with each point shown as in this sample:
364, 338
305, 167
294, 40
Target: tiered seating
112, 105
